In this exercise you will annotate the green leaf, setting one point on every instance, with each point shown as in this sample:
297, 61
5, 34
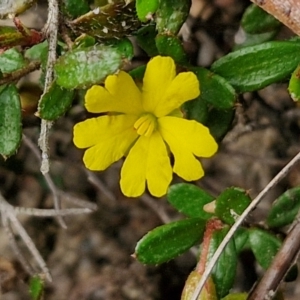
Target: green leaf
146, 39
215, 90
11, 60
168, 241
284, 210
36, 287
294, 85
114, 20
256, 20
196, 110
219, 122
231, 203
84, 41
138, 73
189, 200
10, 120
55, 102
241, 239
170, 16
75, 8
255, 67
168, 45
255, 39
224, 271
123, 46
146, 8
81, 68
37, 52
264, 246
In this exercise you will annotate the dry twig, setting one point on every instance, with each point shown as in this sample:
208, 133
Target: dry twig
286, 11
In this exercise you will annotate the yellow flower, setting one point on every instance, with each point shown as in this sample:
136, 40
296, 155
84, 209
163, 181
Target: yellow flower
145, 126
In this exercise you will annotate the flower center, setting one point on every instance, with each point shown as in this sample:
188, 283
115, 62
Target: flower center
146, 124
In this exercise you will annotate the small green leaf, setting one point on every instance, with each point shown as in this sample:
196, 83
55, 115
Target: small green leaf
81, 68
255, 39
138, 72
170, 15
169, 45
294, 85
84, 41
264, 246
215, 90
146, 39
230, 204
10, 120
284, 210
256, 20
168, 241
189, 200
146, 9
219, 121
224, 271
241, 239
255, 67
36, 287
55, 102
36, 52
123, 46
11, 60
75, 8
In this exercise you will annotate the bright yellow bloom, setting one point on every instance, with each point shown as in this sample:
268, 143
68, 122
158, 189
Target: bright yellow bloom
145, 126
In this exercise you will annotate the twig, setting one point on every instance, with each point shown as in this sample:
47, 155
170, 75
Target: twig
93, 179
12, 241
8, 211
286, 11
51, 30
77, 201
239, 221
32, 66
48, 180
39, 212
279, 267
156, 207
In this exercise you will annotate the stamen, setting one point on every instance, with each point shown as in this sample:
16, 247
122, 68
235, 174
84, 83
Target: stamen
146, 124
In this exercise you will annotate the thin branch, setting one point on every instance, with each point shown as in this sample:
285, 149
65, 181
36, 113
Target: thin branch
93, 179
286, 11
39, 212
32, 66
48, 180
8, 210
239, 221
282, 262
12, 241
77, 201
157, 208
51, 30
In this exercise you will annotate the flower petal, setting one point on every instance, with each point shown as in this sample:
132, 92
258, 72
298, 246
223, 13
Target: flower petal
187, 138
148, 160
160, 72
184, 87
119, 95
109, 138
